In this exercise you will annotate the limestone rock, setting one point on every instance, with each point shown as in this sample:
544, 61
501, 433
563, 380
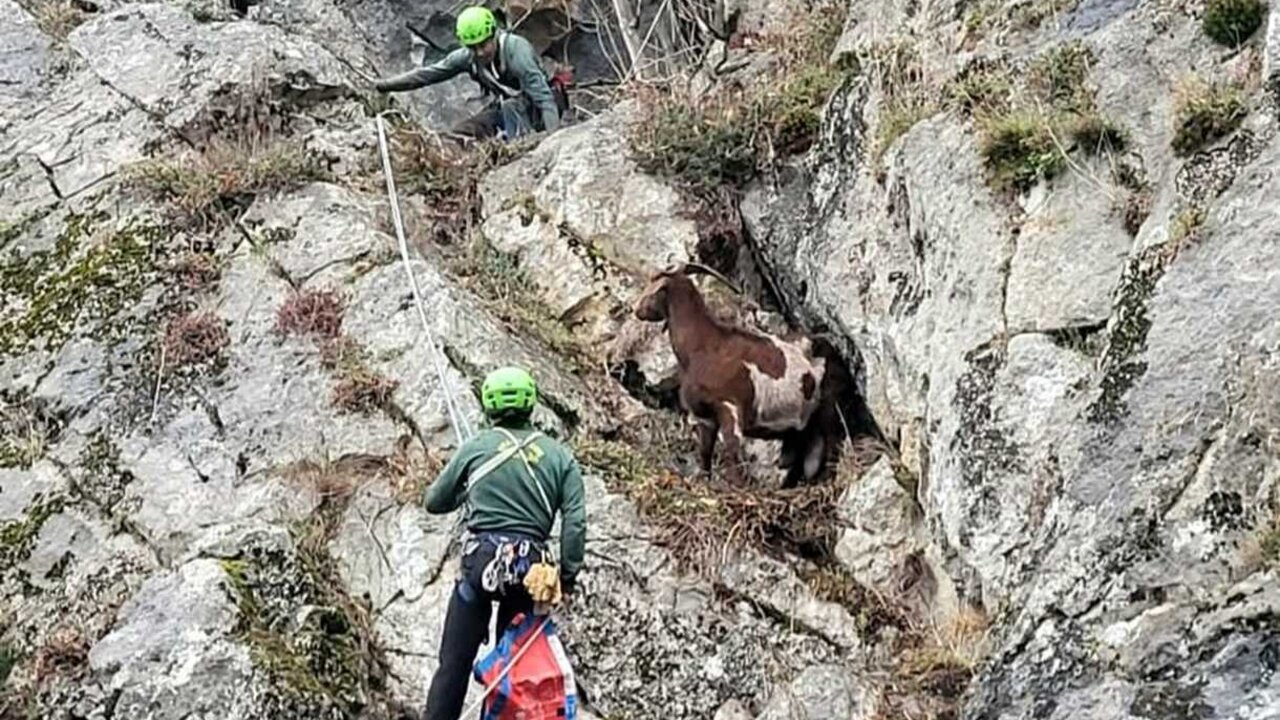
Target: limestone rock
1072, 218
822, 692
170, 656
882, 530
170, 65
585, 222
24, 50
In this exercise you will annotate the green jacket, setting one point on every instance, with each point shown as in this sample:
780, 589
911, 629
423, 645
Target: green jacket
518, 71
505, 499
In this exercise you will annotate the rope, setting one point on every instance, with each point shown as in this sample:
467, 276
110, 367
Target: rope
461, 426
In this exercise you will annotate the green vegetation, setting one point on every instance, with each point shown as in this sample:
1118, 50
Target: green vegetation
87, 277
895, 69
983, 86
1232, 22
1097, 135
18, 537
313, 642
102, 481
1029, 121
507, 291
985, 16
1186, 226
1020, 150
1205, 113
734, 134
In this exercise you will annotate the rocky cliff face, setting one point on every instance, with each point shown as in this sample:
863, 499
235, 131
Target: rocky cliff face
219, 408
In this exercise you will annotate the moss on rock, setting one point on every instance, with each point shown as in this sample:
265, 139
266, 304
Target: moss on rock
18, 537
48, 295
313, 644
1231, 22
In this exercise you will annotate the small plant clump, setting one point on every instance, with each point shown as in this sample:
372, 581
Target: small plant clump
195, 271
1028, 126
1232, 22
203, 187
498, 278
1096, 135
1205, 113
896, 70
56, 18
359, 389
197, 338
1020, 151
731, 136
311, 312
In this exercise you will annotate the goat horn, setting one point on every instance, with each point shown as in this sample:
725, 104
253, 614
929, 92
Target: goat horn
700, 269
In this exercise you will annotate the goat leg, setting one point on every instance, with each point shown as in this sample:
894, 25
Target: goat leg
707, 431
731, 434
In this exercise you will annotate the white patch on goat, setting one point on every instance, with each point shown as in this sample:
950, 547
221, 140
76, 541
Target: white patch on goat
780, 402
813, 460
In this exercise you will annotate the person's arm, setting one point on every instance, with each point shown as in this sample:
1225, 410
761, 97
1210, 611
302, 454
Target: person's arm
534, 82
449, 490
443, 69
573, 526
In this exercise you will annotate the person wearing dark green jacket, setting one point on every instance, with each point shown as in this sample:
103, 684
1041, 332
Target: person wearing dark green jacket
512, 481
504, 65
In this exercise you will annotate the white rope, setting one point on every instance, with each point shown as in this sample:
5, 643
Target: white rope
461, 426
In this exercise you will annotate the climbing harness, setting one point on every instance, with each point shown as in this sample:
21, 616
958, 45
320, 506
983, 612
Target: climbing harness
461, 426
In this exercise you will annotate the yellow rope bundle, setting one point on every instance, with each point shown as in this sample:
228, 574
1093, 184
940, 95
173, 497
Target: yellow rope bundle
543, 583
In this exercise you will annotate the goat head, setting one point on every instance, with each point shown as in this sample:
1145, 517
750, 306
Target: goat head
651, 306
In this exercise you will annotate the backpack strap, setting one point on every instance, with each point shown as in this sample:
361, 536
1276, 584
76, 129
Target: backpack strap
517, 449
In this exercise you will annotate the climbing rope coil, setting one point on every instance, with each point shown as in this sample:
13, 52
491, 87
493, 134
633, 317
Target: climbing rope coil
542, 580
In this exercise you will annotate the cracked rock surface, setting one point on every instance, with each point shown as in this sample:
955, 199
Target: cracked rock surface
1083, 402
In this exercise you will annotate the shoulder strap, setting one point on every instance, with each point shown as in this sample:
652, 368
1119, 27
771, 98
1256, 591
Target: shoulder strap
517, 449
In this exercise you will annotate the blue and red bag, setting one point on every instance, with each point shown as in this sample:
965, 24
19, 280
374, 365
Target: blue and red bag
538, 684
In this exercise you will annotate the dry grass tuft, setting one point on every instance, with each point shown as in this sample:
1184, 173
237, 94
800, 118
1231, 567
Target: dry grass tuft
702, 520
311, 312
733, 134
243, 149
195, 271
445, 176
197, 338
364, 391
907, 97
205, 187
57, 17
1205, 112
66, 653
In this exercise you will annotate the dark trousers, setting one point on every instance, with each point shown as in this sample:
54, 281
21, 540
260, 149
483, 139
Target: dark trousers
467, 622
513, 115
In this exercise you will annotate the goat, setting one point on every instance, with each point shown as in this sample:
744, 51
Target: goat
738, 383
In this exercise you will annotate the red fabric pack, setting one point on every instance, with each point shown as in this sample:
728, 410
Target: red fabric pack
538, 681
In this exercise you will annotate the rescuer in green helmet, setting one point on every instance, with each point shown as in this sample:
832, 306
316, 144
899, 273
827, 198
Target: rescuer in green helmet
513, 480
505, 66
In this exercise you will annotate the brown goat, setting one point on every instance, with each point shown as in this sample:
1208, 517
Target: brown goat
735, 382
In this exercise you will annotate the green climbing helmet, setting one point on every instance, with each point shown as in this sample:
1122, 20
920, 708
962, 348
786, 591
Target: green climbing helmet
475, 25
508, 388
